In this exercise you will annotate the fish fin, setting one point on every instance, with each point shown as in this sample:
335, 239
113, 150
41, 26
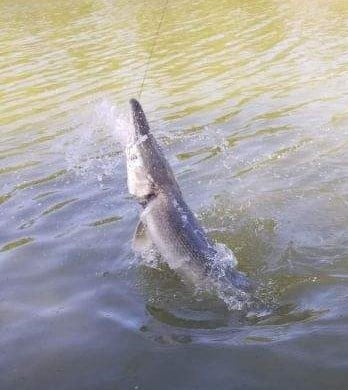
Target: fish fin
141, 238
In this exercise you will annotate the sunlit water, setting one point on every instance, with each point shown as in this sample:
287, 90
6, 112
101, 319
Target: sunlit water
249, 101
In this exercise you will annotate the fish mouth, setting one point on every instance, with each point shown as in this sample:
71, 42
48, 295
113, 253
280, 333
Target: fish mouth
141, 125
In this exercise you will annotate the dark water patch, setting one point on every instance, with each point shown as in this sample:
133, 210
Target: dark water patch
58, 206
106, 221
4, 198
18, 167
44, 195
32, 183
180, 320
204, 154
15, 244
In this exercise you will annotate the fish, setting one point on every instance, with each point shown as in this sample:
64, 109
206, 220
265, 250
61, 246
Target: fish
166, 222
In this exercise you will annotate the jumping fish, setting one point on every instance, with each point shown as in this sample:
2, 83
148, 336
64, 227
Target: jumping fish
166, 222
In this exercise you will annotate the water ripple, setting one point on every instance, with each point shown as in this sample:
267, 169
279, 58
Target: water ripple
17, 243
250, 102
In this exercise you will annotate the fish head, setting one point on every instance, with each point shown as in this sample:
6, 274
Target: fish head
148, 172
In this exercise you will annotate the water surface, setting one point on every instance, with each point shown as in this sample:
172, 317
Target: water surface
249, 100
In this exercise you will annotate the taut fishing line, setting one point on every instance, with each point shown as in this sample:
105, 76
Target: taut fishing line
164, 9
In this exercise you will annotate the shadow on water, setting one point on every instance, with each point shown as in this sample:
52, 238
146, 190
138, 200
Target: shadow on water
172, 302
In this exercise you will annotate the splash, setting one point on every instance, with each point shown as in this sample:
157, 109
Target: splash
94, 145
224, 258
94, 148
217, 283
223, 267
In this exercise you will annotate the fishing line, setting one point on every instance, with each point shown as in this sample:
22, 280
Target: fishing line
164, 9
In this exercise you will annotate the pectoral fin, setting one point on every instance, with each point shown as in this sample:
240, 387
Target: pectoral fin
141, 238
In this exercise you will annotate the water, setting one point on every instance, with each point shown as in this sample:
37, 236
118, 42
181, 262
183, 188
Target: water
249, 101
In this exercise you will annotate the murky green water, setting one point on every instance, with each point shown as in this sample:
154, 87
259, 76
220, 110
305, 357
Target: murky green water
249, 99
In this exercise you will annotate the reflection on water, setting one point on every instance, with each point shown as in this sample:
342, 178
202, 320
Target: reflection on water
249, 101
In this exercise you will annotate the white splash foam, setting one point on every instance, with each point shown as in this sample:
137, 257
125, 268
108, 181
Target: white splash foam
224, 257
94, 146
